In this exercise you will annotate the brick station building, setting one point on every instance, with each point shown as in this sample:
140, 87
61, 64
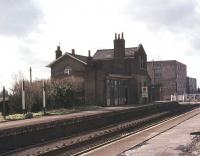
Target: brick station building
111, 76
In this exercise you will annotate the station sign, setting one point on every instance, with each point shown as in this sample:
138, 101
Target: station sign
145, 92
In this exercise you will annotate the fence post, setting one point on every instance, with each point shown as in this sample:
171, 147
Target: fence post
23, 97
44, 97
4, 102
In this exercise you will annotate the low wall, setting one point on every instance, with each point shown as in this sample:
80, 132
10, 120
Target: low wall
14, 138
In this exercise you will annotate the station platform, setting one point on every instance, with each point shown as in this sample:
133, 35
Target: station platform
52, 118
93, 111
46, 128
174, 142
179, 136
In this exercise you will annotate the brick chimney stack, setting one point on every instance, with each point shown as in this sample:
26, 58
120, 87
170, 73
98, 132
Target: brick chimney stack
89, 58
73, 52
89, 53
119, 46
58, 52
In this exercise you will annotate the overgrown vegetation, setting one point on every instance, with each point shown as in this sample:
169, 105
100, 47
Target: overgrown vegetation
63, 93
60, 111
29, 115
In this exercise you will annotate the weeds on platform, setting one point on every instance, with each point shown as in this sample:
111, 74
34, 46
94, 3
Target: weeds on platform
28, 115
61, 111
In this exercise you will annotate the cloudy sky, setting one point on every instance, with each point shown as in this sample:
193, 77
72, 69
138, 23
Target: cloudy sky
30, 30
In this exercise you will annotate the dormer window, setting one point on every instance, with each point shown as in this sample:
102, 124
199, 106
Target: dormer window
67, 70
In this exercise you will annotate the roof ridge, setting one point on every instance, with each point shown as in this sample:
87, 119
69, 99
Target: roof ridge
130, 47
113, 48
104, 49
75, 54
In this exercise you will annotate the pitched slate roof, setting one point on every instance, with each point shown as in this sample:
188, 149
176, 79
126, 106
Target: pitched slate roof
80, 58
101, 54
104, 54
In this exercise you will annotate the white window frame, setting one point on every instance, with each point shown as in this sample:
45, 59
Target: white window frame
67, 70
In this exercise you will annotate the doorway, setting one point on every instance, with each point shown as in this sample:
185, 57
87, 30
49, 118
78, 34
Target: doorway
116, 92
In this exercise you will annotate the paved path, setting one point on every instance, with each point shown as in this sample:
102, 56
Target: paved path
163, 140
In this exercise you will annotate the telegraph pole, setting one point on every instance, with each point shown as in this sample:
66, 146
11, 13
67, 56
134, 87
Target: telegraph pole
30, 76
23, 97
30, 91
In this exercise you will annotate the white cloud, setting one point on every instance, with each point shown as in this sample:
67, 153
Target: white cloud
173, 27
174, 15
18, 18
167, 29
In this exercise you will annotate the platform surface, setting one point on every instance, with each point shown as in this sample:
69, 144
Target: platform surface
170, 143
46, 119
169, 138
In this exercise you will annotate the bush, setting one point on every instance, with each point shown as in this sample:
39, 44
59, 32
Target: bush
59, 94
63, 93
29, 115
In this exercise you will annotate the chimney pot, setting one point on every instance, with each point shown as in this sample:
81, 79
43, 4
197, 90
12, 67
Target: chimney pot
118, 36
115, 36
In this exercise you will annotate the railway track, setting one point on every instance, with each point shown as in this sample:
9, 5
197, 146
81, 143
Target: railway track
83, 143
138, 126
